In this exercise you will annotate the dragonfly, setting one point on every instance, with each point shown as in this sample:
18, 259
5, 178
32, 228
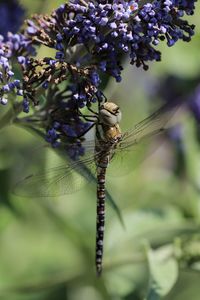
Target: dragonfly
109, 143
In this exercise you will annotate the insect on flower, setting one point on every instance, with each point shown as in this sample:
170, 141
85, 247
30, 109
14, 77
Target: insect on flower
101, 155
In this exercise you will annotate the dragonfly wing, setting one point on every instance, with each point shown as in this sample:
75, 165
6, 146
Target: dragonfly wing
87, 145
151, 126
135, 143
57, 181
61, 180
126, 160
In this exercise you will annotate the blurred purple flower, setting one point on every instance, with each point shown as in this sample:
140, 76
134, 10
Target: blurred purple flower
12, 15
195, 104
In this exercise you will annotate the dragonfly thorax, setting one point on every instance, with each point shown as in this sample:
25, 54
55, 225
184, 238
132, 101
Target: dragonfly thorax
109, 118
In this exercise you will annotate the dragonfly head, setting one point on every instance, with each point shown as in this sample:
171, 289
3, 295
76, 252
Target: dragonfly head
110, 114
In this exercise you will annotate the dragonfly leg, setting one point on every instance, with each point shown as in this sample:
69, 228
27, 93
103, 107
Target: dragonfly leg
83, 133
90, 118
92, 111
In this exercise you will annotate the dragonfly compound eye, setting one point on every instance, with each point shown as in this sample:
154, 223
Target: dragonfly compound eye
110, 114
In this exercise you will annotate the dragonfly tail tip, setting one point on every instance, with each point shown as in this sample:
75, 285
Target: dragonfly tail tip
98, 271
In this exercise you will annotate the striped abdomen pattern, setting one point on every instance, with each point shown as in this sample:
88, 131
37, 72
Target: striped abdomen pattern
101, 172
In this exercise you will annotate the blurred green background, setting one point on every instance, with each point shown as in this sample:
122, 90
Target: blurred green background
47, 246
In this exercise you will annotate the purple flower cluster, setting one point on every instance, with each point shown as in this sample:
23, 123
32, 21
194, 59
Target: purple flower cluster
89, 39
108, 30
10, 51
7, 82
12, 15
65, 135
92, 36
66, 126
41, 75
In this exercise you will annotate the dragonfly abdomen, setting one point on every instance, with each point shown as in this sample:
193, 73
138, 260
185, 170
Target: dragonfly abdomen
101, 173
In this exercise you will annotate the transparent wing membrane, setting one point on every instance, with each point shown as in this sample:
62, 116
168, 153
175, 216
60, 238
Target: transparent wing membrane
152, 125
131, 151
124, 162
57, 181
71, 177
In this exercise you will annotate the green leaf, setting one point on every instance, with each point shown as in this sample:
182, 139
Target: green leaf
163, 269
8, 117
